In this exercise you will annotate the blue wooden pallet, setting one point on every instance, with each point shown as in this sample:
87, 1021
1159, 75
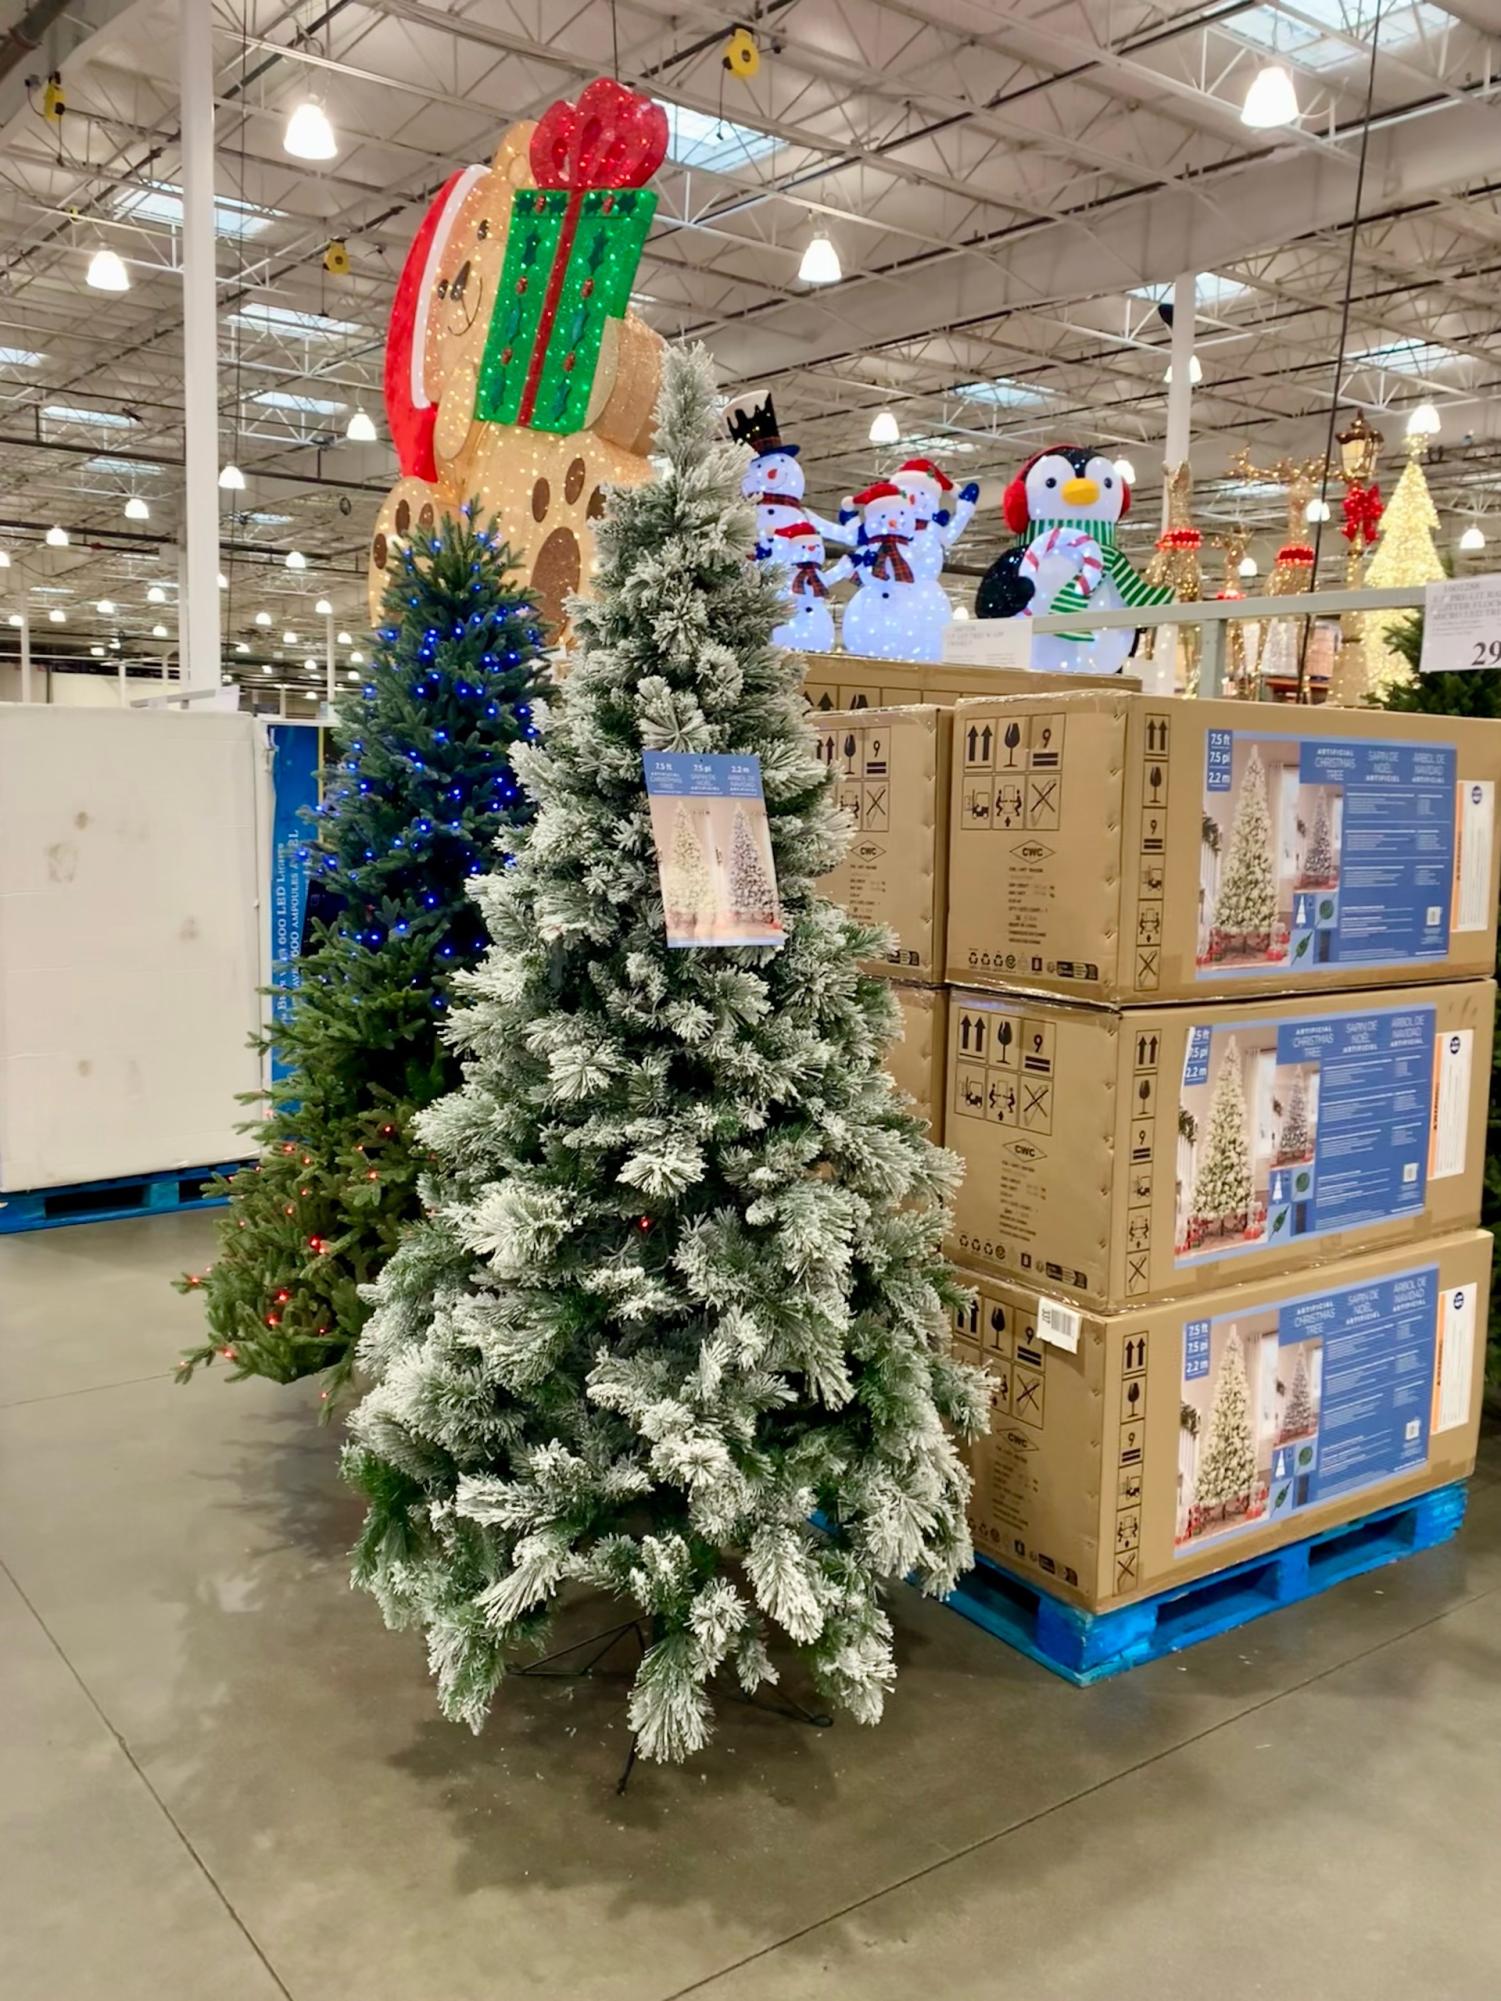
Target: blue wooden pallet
1085, 1647
157, 1194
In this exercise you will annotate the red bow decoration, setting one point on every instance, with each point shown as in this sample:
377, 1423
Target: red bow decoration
1295, 552
611, 138
1363, 509
807, 581
888, 563
1180, 538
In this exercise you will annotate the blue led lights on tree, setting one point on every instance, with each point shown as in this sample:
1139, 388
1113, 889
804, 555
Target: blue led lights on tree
412, 809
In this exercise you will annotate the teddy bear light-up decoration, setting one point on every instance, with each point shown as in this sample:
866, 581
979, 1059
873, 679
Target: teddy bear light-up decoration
1065, 504
515, 374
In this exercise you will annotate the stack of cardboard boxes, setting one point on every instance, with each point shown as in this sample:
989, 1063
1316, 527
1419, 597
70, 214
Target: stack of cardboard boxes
1217, 1057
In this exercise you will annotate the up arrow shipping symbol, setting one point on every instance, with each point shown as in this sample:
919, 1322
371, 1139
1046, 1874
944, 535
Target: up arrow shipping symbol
1302, 910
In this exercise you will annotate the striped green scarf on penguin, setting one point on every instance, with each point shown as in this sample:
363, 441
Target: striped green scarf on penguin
1129, 582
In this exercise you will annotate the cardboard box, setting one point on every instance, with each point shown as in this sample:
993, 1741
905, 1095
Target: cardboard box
1134, 1452
849, 681
134, 849
893, 778
1161, 1151
1122, 847
916, 1059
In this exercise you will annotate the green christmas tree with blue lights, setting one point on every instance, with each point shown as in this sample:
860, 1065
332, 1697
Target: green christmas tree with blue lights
419, 791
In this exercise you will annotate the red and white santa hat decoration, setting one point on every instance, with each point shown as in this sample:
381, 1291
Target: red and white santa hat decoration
882, 490
923, 482
795, 531
411, 400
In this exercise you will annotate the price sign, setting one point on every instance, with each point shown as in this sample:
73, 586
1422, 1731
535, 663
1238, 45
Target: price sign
1462, 626
988, 642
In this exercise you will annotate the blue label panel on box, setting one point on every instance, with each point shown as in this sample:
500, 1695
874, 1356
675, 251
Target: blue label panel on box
1325, 851
1286, 1407
1328, 1127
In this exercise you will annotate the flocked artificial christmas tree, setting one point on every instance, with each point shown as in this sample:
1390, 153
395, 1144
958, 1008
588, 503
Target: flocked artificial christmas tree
1246, 906
1297, 1418
1222, 1187
1295, 1141
690, 885
681, 1286
752, 895
1227, 1464
421, 787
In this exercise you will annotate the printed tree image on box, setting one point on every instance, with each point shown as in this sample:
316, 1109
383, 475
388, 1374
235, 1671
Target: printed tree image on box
1259, 1098
1323, 851
1288, 1406
714, 861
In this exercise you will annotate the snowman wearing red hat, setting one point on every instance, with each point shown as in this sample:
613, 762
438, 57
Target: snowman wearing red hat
883, 619
942, 518
1065, 504
810, 626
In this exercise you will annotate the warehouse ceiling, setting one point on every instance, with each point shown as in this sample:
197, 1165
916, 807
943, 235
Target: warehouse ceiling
1009, 188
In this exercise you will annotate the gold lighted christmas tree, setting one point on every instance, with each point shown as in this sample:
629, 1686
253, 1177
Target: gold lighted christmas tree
1406, 554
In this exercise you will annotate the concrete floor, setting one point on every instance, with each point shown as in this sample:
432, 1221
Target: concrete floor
223, 1778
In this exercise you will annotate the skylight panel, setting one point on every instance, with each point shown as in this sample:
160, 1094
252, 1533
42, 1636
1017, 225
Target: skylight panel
20, 357
103, 420
928, 445
160, 201
1301, 41
1002, 392
266, 318
1211, 289
698, 139
104, 463
1405, 357
304, 406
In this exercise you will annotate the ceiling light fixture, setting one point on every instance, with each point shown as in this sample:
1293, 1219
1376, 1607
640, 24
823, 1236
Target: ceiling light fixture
360, 430
884, 429
232, 479
820, 265
1473, 537
357, 658
4, 559
1423, 423
309, 136
263, 618
57, 615
1126, 470
289, 639
223, 581
107, 272
1316, 510
136, 509
1248, 567
296, 560
158, 632
344, 639
1195, 372
1271, 100
241, 647
56, 538
323, 608
105, 607
353, 674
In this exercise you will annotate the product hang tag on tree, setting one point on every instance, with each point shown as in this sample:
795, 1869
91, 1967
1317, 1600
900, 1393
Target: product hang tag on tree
714, 860
1461, 626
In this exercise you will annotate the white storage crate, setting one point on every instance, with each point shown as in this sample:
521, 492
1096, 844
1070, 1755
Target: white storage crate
133, 854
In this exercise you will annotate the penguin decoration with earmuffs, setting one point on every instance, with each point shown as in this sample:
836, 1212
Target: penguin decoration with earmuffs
1065, 505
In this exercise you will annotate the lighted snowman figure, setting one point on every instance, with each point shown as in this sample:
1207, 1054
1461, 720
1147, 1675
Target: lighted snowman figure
774, 481
810, 629
1065, 504
939, 525
883, 620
